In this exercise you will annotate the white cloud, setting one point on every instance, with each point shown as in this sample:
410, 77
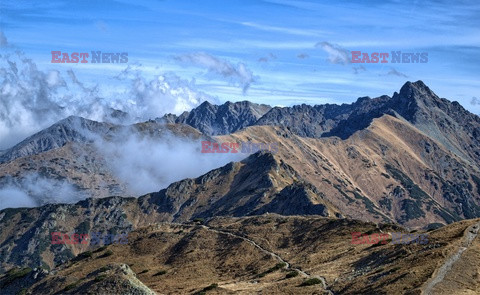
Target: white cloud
394, 72
240, 45
267, 58
291, 31
357, 70
32, 99
34, 190
13, 197
148, 164
336, 53
238, 74
303, 56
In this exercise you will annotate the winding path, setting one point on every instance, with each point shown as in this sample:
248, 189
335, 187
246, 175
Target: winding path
470, 234
287, 264
253, 243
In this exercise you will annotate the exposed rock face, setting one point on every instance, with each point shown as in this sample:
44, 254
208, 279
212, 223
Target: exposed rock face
227, 118
446, 122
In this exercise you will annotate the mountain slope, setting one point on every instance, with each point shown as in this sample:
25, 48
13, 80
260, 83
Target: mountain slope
442, 120
258, 184
388, 171
74, 159
270, 254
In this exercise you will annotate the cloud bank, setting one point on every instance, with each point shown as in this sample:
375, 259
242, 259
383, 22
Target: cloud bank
32, 99
141, 161
147, 163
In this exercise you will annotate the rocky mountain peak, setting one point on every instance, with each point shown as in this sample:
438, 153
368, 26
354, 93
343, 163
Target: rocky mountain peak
416, 91
410, 87
206, 106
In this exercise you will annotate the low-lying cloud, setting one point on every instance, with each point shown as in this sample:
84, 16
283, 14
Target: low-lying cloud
147, 164
34, 190
141, 161
32, 99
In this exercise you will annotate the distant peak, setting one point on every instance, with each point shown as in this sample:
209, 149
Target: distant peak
417, 92
206, 105
409, 88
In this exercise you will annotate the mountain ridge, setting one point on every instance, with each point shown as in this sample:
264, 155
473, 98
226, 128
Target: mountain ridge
383, 164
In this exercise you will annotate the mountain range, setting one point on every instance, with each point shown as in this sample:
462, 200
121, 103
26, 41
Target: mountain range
409, 162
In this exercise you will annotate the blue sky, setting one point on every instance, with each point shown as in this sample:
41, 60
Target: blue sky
277, 52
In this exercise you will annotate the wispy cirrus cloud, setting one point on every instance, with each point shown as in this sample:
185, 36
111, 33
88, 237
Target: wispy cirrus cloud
238, 74
285, 30
151, 31
336, 53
